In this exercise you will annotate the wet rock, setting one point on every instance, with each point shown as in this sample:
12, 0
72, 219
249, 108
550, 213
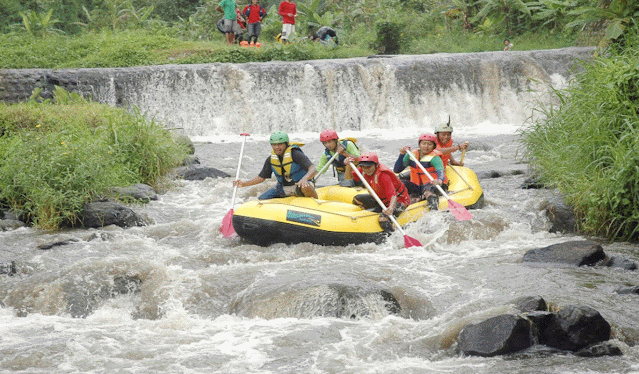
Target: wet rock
531, 304
619, 262
139, 192
191, 160
532, 183
57, 243
488, 174
10, 224
105, 213
599, 350
577, 253
82, 301
574, 328
8, 268
541, 320
498, 335
560, 215
628, 290
199, 172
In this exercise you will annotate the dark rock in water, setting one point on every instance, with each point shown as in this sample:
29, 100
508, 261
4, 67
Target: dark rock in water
498, 335
488, 174
578, 253
628, 290
10, 224
192, 160
198, 172
599, 350
57, 243
8, 268
82, 301
532, 183
105, 213
560, 215
619, 262
531, 304
574, 328
541, 320
140, 192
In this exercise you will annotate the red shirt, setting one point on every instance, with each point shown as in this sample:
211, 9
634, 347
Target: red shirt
286, 8
385, 186
254, 11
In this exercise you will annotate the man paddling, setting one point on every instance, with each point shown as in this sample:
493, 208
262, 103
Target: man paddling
291, 167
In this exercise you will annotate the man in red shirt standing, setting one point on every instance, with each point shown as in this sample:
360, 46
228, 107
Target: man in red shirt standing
288, 11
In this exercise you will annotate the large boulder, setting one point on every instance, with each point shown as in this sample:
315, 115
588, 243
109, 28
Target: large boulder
577, 253
139, 192
574, 328
560, 215
198, 172
498, 335
105, 213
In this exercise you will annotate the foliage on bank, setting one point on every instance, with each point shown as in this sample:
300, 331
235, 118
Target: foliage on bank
587, 146
55, 157
101, 33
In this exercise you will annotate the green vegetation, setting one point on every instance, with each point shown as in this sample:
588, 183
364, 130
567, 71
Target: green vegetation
117, 33
587, 146
54, 158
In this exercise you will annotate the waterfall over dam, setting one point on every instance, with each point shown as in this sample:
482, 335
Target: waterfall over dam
378, 92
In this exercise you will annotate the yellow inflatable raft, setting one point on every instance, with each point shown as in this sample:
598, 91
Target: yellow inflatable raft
333, 220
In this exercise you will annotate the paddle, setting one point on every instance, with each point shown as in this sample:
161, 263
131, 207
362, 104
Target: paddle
455, 208
408, 241
462, 157
328, 163
227, 223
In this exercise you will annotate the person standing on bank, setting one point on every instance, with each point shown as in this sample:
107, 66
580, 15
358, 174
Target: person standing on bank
384, 183
288, 11
230, 19
254, 14
291, 167
344, 147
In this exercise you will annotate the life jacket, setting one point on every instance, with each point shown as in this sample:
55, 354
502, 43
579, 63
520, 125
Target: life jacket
400, 188
339, 163
286, 171
445, 157
417, 176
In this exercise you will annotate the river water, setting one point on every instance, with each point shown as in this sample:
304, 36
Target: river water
177, 297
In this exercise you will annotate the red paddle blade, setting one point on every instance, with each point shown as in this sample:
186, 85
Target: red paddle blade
411, 242
227, 225
458, 211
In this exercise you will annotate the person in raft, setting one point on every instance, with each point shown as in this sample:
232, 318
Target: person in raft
291, 167
345, 147
386, 185
420, 187
445, 144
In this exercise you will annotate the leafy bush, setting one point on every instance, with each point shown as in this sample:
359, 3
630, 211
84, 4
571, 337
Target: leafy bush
390, 37
54, 158
587, 145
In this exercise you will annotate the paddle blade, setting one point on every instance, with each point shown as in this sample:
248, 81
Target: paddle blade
411, 242
458, 211
227, 225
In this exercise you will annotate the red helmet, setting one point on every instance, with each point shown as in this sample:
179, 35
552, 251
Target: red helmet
327, 135
429, 137
370, 157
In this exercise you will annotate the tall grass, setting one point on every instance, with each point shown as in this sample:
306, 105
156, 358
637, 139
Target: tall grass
54, 158
588, 145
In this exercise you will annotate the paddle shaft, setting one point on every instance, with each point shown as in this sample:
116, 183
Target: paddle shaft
372, 192
239, 164
462, 156
328, 163
415, 160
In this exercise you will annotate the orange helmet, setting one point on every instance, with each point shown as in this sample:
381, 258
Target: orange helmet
369, 157
327, 135
429, 137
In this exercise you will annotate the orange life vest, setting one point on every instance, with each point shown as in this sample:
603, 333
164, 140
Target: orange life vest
417, 176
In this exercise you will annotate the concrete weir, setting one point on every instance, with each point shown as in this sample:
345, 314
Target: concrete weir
378, 92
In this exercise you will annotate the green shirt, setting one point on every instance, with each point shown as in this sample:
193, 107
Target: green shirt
351, 149
228, 6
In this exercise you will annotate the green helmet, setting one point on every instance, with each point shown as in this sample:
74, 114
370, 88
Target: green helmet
445, 127
279, 137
